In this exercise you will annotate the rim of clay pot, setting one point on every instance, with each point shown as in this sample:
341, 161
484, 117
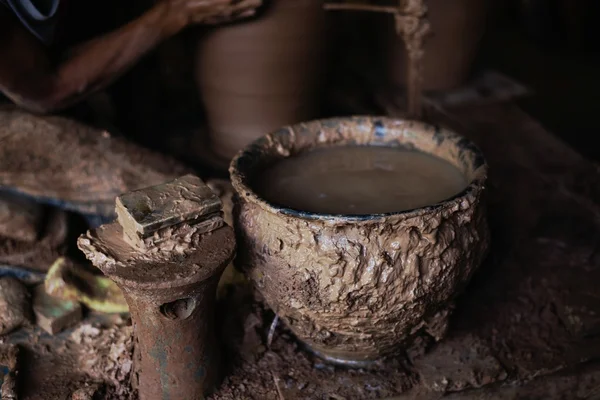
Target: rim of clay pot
352, 131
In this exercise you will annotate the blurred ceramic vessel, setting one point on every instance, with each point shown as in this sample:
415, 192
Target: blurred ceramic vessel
258, 75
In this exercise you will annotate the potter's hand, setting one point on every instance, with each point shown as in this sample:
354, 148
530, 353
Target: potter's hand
212, 12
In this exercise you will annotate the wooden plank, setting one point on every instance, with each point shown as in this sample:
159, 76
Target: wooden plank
63, 162
535, 301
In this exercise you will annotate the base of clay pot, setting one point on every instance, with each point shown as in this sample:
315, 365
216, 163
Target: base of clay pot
200, 146
225, 145
191, 146
344, 359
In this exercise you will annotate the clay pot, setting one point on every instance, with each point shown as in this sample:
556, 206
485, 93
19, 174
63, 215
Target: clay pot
259, 75
358, 288
457, 27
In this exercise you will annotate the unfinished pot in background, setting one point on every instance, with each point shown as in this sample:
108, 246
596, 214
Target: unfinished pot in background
457, 27
259, 75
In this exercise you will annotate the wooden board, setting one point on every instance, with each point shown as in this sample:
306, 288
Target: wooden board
66, 163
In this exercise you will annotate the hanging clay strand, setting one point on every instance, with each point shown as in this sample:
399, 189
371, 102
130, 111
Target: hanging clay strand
413, 27
456, 31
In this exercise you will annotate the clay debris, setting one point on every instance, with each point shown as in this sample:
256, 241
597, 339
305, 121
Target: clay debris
457, 364
105, 354
20, 218
285, 370
39, 254
53, 314
15, 305
143, 212
9, 362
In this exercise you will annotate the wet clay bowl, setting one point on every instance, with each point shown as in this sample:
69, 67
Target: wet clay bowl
357, 288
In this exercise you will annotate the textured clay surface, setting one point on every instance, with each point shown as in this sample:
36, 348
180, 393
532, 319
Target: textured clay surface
459, 364
15, 305
520, 330
150, 209
107, 250
74, 165
20, 218
274, 367
533, 305
359, 288
95, 357
41, 253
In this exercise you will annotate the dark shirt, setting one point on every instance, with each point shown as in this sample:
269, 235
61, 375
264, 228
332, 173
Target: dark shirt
38, 16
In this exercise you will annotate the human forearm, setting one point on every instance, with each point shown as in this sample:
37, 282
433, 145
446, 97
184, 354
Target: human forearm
95, 64
29, 78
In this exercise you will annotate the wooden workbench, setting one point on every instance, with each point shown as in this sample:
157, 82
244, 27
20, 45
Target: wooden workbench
527, 326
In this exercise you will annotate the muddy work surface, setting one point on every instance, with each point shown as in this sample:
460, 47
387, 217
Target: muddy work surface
91, 361
527, 326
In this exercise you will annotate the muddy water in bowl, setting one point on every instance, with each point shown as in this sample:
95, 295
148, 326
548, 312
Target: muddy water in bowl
360, 180
359, 283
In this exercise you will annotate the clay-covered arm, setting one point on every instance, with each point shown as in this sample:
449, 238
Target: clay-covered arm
31, 80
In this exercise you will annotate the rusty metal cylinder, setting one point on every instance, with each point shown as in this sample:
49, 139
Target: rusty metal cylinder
169, 280
175, 332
